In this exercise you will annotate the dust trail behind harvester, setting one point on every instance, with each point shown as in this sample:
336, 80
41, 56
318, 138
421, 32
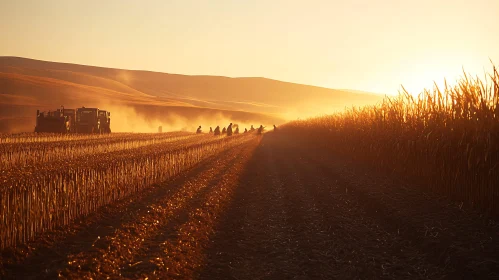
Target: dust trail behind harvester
128, 119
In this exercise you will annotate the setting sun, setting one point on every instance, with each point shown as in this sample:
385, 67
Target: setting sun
428, 71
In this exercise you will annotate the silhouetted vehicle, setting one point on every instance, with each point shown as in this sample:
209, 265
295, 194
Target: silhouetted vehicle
224, 131
81, 120
54, 121
198, 130
92, 120
229, 130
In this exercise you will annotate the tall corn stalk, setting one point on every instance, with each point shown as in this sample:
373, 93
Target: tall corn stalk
446, 139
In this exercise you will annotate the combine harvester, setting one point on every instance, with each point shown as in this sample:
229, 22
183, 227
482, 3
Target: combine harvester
81, 120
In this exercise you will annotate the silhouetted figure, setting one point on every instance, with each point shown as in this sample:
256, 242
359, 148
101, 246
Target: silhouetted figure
199, 130
217, 130
260, 129
224, 131
237, 130
229, 130
252, 128
245, 130
211, 130
275, 128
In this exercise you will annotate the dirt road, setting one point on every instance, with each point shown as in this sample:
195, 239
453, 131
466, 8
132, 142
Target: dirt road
274, 208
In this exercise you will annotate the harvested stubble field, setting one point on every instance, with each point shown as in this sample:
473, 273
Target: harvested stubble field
186, 206
46, 184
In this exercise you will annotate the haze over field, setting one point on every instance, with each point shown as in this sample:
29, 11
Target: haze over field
140, 101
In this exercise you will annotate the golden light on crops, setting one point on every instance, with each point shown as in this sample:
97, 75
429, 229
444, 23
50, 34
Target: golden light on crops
48, 180
444, 139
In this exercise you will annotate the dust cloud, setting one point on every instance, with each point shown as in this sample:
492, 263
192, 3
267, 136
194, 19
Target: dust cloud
128, 119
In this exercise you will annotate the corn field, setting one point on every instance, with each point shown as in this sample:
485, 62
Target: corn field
47, 181
446, 140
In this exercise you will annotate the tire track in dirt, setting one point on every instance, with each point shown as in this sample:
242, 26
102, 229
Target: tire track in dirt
253, 240
310, 232
279, 241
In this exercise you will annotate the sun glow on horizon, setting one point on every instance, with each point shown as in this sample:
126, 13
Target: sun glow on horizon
429, 72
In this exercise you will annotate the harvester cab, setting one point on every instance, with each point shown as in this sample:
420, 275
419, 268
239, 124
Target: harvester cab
105, 121
87, 120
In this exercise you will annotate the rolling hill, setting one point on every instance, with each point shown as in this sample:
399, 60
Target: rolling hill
141, 100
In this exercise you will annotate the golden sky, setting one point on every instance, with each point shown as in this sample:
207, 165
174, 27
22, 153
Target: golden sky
371, 45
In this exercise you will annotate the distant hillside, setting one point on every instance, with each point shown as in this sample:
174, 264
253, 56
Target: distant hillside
176, 101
